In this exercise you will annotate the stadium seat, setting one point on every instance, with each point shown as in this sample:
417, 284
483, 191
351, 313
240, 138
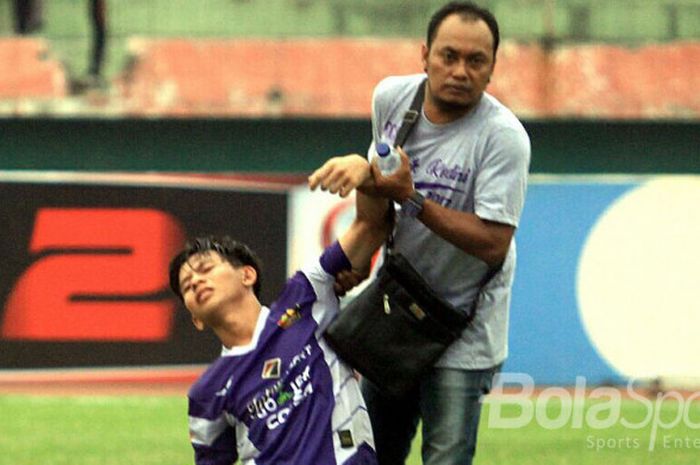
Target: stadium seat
28, 71
262, 77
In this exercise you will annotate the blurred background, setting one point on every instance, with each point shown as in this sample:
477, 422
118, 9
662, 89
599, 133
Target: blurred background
128, 125
561, 58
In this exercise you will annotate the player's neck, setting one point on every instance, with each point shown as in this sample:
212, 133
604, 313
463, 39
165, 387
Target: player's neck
238, 325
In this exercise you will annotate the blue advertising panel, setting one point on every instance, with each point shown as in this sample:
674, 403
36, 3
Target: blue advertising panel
547, 340
606, 285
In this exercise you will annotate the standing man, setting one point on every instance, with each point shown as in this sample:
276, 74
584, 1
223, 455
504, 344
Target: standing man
98, 21
461, 193
278, 394
28, 16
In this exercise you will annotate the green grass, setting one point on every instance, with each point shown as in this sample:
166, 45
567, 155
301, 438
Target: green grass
582, 444
153, 431
93, 430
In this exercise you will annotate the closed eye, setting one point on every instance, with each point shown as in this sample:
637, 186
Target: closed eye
206, 268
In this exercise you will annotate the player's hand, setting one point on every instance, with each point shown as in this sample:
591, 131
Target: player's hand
348, 279
340, 175
397, 186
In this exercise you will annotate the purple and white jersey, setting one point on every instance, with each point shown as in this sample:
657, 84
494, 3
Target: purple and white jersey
285, 398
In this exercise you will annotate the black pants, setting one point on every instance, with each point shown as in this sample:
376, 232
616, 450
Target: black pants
28, 16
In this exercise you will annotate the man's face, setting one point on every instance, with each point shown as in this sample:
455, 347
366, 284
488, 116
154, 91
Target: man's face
207, 283
459, 64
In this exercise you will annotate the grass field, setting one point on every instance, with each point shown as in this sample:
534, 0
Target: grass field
151, 430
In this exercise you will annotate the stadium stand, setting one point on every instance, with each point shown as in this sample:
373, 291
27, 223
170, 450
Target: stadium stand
563, 58
262, 77
600, 81
296, 77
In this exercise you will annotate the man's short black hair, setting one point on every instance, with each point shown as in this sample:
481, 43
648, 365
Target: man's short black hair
236, 253
466, 10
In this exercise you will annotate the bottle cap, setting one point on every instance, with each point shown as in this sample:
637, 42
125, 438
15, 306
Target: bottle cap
383, 149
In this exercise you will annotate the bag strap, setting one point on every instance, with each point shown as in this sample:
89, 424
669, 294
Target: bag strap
410, 118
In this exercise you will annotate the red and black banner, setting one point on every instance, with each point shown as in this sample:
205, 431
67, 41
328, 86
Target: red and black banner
84, 274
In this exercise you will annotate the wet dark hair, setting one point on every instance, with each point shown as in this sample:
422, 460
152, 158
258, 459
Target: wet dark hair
236, 253
464, 10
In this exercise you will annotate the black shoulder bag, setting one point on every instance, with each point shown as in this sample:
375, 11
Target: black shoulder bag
397, 327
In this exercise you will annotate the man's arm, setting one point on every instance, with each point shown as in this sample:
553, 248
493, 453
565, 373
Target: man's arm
367, 232
486, 240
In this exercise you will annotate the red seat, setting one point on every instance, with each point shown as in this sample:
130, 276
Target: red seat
28, 72
335, 78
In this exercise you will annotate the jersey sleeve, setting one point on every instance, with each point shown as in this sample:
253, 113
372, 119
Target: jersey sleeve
502, 180
321, 275
213, 440
312, 286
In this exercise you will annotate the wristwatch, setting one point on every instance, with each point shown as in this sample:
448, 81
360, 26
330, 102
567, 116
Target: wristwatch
413, 205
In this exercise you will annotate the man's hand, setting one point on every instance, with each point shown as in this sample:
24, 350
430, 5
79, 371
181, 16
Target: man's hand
340, 175
346, 280
397, 186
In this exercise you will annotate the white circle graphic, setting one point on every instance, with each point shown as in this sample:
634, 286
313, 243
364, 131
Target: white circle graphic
638, 283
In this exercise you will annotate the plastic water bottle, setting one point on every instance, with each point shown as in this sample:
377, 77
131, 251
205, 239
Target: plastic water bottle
389, 159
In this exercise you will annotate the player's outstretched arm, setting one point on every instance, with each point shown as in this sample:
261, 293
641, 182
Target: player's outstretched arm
367, 232
369, 229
